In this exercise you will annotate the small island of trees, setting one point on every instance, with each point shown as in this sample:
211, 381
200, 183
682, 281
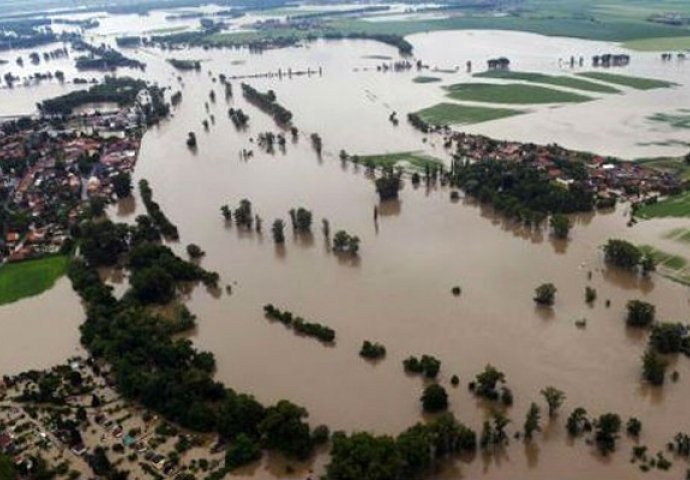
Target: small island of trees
267, 102
185, 65
427, 365
343, 242
299, 325
372, 350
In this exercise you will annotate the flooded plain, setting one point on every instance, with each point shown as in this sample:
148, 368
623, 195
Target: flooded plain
397, 291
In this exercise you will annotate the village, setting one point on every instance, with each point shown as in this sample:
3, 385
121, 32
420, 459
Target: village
51, 168
608, 178
70, 422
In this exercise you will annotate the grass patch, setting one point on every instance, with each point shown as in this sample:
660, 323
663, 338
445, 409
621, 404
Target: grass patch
680, 119
514, 93
659, 44
408, 161
556, 80
675, 206
638, 83
457, 114
29, 278
423, 79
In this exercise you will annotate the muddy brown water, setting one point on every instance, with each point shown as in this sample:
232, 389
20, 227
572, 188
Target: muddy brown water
397, 291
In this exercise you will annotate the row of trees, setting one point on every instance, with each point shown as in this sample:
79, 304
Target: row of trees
267, 102
166, 227
299, 325
301, 220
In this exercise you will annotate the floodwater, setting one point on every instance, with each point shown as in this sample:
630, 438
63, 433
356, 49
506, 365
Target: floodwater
397, 291
40, 331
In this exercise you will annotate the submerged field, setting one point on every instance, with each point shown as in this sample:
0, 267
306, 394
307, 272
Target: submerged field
662, 44
514, 93
671, 266
457, 114
555, 80
679, 119
637, 83
675, 206
29, 278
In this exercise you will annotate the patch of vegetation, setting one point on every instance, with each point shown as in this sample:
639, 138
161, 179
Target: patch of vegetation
523, 192
299, 325
425, 79
30, 277
566, 19
638, 83
427, 365
556, 80
268, 103
372, 350
674, 206
513, 93
661, 44
122, 91
185, 64
362, 455
409, 161
457, 114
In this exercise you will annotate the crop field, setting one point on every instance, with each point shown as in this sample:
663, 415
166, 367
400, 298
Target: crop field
555, 80
514, 93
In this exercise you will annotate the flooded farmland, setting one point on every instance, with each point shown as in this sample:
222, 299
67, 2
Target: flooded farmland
397, 291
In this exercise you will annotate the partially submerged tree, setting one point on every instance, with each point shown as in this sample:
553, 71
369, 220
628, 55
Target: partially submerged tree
545, 294
554, 399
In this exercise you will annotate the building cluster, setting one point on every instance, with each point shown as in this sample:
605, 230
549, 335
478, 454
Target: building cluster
609, 178
50, 169
60, 420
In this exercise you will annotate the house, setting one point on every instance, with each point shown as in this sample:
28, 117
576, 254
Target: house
6, 443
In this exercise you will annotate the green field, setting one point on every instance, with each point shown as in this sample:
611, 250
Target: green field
457, 114
638, 83
408, 161
556, 80
515, 93
675, 206
423, 79
29, 278
659, 44
539, 20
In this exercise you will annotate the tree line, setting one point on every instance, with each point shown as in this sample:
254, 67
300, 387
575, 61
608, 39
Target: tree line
267, 102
